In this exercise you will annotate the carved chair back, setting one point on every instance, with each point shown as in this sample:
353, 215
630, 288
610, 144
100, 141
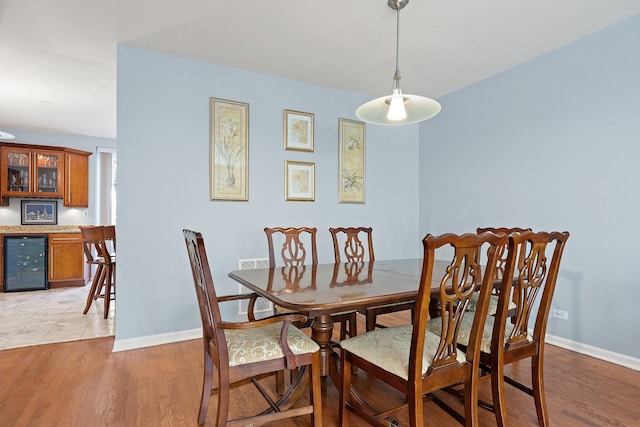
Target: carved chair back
292, 251
352, 240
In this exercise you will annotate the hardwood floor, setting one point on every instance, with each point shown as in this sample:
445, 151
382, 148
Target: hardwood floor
83, 383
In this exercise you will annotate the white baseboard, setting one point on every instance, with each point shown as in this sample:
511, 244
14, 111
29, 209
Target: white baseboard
598, 353
151, 340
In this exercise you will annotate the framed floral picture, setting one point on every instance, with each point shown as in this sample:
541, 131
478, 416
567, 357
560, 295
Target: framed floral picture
351, 145
298, 130
300, 181
229, 150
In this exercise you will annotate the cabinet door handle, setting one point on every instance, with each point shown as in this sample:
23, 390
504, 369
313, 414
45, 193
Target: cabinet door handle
50, 263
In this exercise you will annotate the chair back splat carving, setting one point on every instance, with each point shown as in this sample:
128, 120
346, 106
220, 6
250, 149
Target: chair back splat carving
248, 350
292, 251
414, 360
353, 248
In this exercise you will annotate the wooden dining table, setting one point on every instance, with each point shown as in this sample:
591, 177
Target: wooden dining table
320, 290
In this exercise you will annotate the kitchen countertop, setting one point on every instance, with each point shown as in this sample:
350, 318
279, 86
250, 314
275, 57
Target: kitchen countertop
38, 229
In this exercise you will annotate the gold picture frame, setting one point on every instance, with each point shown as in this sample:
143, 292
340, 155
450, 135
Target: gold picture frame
351, 143
229, 150
299, 181
298, 131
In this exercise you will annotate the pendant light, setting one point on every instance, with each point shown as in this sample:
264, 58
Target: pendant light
397, 108
6, 135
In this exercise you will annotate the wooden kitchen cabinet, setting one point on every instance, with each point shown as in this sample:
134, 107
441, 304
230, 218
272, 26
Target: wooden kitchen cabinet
66, 260
44, 172
76, 178
31, 173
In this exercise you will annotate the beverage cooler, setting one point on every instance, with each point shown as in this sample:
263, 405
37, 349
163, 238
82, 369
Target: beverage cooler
25, 263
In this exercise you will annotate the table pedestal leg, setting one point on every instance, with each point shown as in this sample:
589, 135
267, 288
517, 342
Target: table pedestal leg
321, 331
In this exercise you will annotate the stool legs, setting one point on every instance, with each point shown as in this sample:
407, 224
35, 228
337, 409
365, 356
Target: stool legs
109, 272
96, 285
102, 286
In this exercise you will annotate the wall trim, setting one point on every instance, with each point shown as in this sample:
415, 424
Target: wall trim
598, 353
152, 340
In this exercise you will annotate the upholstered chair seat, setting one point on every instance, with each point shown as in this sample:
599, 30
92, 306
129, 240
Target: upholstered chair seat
263, 343
390, 348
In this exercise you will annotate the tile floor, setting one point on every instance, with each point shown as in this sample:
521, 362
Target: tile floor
53, 315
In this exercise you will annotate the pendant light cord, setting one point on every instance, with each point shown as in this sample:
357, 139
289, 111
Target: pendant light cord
396, 76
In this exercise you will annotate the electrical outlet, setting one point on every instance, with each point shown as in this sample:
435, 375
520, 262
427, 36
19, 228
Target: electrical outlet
85, 213
560, 314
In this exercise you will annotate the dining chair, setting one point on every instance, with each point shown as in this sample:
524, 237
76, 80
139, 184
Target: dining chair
529, 281
418, 362
355, 244
501, 260
97, 254
293, 253
243, 352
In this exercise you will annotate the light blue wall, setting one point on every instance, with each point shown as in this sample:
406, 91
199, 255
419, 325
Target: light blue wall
554, 145
10, 215
163, 181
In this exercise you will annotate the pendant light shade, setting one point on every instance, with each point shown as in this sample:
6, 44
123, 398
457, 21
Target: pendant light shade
6, 135
398, 108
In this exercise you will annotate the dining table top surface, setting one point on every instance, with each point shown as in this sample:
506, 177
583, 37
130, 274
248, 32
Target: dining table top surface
331, 287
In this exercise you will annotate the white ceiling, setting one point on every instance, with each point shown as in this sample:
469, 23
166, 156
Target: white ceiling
58, 58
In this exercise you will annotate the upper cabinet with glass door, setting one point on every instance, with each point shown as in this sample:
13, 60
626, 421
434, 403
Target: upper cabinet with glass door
47, 173
44, 172
17, 172
29, 173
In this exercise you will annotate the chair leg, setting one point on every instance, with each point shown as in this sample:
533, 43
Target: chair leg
223, 401
207, 384
349, 326
345, 388
280, 382
471, 400
343, 329
97, 278
113, 281
107, 290
353, 321
415, 404
497, 392
315, 391
371, 320
537, 380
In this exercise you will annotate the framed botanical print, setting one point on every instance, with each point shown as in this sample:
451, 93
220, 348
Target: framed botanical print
351, 145
229, 150
298, 130
299, 181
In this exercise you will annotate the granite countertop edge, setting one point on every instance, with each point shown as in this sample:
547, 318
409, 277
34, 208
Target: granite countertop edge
38, 229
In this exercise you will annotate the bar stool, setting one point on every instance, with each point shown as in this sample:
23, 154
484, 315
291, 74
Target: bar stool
103, 284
